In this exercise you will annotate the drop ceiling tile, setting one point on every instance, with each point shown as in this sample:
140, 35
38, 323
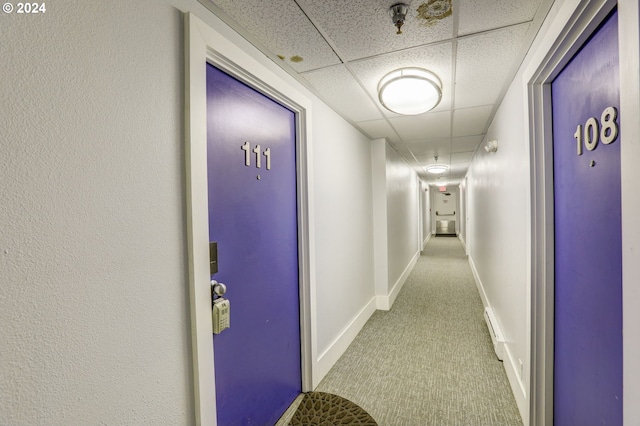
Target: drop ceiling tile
427, 160
483, 15
439, 147
434, 125
435, 58
485, 65
361, 33
458, 169
283, 29
461, 157
403, 150
377, 129
466, 143
363, 28
456, 174
343, 93
471, 121
449, 182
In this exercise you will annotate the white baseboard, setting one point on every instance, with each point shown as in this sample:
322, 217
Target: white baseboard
426, 240
479, 285
510, 365
339, 345
384, 303
464, 244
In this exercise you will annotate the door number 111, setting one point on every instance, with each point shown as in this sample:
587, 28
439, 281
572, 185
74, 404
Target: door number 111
257, 151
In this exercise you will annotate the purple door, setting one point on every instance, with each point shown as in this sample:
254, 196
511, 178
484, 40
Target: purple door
253, 218
588, 248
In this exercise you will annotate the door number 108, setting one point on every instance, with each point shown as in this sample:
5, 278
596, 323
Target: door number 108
593, 132
257, 151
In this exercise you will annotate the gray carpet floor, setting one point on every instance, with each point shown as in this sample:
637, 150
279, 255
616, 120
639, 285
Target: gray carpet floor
429, 360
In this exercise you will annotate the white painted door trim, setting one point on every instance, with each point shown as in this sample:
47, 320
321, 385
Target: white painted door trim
204, 44
582, 18
629, 35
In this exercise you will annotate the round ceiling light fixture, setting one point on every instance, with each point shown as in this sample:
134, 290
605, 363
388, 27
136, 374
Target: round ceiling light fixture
437, 169
410, 91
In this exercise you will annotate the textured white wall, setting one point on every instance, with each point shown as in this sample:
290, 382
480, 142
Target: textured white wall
498, 224
344, 223
498, 190
425, 199
94, 298
462, 202
399, 228
380, 221
498, 234
402, 215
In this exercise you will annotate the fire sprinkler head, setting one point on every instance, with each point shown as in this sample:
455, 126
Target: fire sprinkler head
398, 14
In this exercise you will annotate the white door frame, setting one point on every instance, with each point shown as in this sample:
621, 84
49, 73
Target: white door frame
584, 20
203, 44
629, 34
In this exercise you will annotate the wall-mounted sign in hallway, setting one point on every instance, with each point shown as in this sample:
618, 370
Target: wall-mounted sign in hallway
605, 131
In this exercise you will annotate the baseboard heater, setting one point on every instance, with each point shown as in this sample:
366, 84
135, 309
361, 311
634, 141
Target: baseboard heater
494, 331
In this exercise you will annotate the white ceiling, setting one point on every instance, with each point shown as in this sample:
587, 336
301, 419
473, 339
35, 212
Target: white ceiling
341, 49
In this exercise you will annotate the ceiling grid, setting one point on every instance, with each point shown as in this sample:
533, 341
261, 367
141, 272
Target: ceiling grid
341, 51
